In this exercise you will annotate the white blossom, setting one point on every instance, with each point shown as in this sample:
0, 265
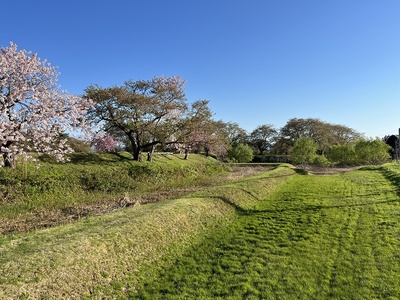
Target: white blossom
32, 109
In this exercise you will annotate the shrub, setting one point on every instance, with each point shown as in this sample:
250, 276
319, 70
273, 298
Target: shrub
344, 154
372, 151
304, 151
364, 151
321, 161
241, 153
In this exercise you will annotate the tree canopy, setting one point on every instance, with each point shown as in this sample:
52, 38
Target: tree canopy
241, 153
322, 133
151, 112
263, 137
33, 112
304, 151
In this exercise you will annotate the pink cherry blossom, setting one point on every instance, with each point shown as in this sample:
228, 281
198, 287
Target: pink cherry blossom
33, 111
105, 143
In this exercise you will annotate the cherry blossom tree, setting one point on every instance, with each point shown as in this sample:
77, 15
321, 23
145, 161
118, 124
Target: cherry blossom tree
200, 133
146, 112
105, 143
33, 111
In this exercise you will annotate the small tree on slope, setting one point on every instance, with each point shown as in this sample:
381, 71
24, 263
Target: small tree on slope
304, 151
33, 112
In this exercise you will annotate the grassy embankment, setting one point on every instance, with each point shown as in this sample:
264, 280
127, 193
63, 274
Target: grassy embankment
276, 235
109, 255
315, 237
35, 196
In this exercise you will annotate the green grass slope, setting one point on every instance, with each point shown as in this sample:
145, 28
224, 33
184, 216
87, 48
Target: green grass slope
108, 256
314, 237
36, 195
275, 235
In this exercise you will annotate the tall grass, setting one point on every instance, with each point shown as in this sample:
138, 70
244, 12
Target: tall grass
96, 177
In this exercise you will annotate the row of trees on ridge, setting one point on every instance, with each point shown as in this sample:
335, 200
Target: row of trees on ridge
149, 115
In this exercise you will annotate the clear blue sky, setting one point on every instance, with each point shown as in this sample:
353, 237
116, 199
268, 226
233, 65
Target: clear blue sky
257, 61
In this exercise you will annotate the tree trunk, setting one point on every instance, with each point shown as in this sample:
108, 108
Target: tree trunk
137, 154
136, 147
8, 162
140, 155
260, 150
150, 154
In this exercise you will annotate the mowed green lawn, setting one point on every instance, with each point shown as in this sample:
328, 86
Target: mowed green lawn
315, 237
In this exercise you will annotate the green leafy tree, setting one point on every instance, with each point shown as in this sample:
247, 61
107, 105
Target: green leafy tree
262, 137
343, 154
363, 151
324, 134
234, 134
370, 151
241, 153
304, 151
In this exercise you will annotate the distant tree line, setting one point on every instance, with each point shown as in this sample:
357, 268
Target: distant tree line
312, 141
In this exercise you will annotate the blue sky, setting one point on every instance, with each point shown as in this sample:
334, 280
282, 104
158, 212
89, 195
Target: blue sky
258, 62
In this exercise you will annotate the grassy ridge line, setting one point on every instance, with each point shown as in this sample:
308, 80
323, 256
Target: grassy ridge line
250, 193
106, 256
32, 197
392, 172
50, 185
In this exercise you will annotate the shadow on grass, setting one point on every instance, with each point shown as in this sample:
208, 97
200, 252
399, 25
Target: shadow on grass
392, 176
97, 158
300, 171
306, 208
168, 156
